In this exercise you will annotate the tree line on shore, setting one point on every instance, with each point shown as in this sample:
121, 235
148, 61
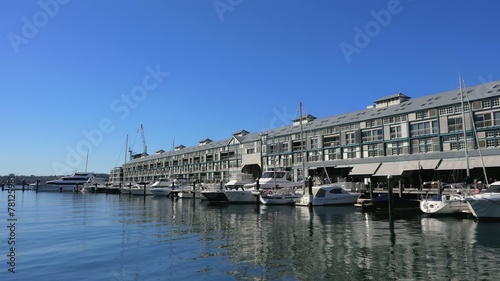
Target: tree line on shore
32, 178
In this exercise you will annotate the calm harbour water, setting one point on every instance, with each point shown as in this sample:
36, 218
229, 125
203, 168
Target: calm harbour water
73, 236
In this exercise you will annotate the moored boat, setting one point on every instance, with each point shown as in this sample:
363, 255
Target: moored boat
284, 196
141, 188
73, 182
444, 205
329, 194
486, 205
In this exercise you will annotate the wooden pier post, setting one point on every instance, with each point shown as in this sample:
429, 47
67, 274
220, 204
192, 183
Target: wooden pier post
310, 185
194, 188
400, 188
257, 186
390, 185
24, 184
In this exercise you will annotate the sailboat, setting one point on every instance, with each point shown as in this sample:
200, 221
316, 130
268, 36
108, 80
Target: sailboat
453, 203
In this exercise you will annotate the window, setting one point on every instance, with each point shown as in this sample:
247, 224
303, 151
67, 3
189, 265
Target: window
297, 158
351, 152
314, 156
426, 128
483, 120
297, 145
490, 143
284, 147
486, 104
422, 114
372, 135
331, 141
496, 115
348, 127
250, 150
286, 160
396, 148
370, 123
373, 150
424, 145
350, 138
314, 143
395, 132
273, 148
455, 124
332, 153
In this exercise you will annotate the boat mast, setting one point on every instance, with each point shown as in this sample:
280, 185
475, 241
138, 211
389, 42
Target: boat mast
86, 161
302, 149
464, 127
126, 145
477, 142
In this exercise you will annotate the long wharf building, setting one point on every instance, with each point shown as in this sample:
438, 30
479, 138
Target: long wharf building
414, 140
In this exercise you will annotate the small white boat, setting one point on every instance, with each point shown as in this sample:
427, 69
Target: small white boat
444, 205
285, 196
325, 195
126, 188
486, 205
140, 189
237, 191
165, 186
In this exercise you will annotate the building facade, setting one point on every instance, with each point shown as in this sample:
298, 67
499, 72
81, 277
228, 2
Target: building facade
416, 140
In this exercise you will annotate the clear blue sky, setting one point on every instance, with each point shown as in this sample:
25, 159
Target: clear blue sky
81, 75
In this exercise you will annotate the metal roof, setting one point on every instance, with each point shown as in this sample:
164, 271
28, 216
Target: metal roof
478, 92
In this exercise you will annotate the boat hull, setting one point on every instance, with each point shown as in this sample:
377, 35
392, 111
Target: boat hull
231, 196
214, 196
446, 207
140, 191
59, 188
485, 207
278, 199
161, 191
348, 199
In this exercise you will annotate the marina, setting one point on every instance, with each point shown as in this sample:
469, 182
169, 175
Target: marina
250, 140
82, 236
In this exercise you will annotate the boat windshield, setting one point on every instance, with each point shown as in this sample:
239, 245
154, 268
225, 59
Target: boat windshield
495, 187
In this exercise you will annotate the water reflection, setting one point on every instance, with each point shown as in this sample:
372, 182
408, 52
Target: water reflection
132, 237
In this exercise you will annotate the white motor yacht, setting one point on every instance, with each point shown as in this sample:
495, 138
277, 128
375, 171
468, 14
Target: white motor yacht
74, 182
329, 194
